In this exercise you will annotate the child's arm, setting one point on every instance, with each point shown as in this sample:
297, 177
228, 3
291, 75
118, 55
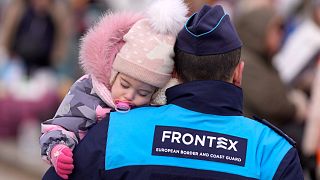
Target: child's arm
76, 114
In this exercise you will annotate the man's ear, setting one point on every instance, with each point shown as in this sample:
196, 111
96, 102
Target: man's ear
237, 74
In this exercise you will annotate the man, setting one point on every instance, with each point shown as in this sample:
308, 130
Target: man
200, 133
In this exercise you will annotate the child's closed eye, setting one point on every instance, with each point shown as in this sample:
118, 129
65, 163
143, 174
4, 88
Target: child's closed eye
124, 85
143, 93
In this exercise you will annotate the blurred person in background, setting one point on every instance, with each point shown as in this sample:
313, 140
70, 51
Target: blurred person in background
34, 32
297, 65
261, 37
32, 42
265, 95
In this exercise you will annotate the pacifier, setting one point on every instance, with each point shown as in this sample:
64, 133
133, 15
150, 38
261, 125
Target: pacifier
123, 106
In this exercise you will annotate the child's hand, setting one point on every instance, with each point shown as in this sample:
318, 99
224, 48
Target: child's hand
61, 159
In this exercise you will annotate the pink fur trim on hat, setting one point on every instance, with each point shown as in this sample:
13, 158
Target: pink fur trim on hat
101, 43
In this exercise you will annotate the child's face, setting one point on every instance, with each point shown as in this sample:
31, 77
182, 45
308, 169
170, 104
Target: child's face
126, 88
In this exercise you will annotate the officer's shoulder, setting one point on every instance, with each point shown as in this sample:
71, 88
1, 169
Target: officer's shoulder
275, 129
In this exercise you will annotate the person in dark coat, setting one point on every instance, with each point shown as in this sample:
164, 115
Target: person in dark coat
265, 95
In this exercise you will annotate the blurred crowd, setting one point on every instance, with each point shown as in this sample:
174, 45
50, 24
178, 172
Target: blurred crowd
39, 43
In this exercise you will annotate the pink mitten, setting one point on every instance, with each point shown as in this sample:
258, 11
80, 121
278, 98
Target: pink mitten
61, 159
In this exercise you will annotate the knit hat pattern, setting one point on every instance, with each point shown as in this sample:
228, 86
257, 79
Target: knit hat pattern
146, 55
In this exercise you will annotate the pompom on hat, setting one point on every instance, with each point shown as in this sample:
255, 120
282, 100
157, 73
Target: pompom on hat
208, 32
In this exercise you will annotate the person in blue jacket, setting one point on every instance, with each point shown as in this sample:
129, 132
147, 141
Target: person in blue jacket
201, 132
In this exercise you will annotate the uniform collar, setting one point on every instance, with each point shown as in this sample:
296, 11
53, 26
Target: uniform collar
210, 97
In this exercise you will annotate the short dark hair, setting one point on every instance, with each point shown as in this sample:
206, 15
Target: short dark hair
190, 67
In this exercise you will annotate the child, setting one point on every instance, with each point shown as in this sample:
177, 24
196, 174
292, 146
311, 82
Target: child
126, 58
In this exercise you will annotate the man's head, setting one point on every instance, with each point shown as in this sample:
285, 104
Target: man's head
209, 48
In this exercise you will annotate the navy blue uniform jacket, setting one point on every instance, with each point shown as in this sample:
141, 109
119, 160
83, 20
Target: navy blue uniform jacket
199, 134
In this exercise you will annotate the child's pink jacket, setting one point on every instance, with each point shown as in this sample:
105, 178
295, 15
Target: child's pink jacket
89, 98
